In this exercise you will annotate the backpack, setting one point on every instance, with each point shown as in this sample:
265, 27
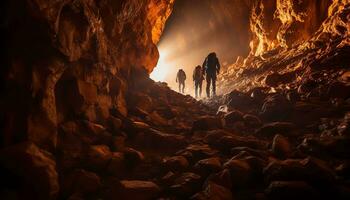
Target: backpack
211, 63
181, 75
197, 75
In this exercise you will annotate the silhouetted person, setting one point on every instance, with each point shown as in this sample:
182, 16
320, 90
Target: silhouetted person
198, 80
211, 67
180, 78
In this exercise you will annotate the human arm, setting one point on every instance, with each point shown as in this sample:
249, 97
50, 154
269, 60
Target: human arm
217, 66
204, 66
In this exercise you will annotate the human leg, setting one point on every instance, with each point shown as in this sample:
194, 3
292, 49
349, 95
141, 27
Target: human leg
183, 87
208, 85
196, 89
214, 85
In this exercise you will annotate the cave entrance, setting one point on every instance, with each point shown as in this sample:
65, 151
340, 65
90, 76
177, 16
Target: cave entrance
194, 29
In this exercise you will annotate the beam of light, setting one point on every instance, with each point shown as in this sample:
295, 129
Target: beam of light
191, 34
160, 72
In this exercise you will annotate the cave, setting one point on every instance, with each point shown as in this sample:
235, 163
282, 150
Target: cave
90, 108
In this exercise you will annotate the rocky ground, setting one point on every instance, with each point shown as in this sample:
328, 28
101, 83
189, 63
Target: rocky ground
256, 145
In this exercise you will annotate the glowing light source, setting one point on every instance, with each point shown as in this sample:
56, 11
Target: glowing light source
160, 72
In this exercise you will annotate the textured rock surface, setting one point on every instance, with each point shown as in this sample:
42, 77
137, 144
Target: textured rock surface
88, 50
81, 119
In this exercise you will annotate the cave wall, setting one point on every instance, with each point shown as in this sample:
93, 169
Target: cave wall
277, 23
77, 58
73, 59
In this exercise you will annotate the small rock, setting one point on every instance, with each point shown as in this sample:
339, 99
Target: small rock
309, 169
141, 125
186, 185
156, 139
252, 121
207, 123
281, 146
117, 164
271, 129
226, 143
221, 178
80, 181
175, 163
197, 152
233, 117
119, 143
241, 172
276, 107
209, 165
168, 178
133, 157
138, 190
213, 192
293, 96
98, 157
115, 123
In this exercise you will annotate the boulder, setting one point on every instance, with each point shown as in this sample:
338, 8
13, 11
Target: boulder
222, 178
116, 166
141, 125
175, 163
252, 121
195, 152
241, 172
168, 179
208, 166
138, 190
233, 117
80, 181
252, 152
141, 101
118, 143
226, 143
293, 96
82, 96
276, 107
28, 163
258, 94
115, 123
156, 139
334, 146
311, 170
206, 123
157, 119
97, 157
281, 147
186, 185
236, 99
133, 157
271, 129
222, 110
214, 191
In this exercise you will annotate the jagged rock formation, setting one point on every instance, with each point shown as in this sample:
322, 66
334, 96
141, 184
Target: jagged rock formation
294, 51
82, 120
84, 49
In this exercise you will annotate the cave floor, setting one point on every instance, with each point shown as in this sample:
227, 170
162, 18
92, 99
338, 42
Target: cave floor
269, 146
